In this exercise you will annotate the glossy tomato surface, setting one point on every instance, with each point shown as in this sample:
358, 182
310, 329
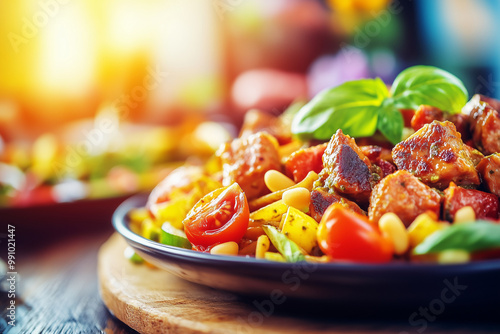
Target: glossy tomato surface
347, 236
220, 216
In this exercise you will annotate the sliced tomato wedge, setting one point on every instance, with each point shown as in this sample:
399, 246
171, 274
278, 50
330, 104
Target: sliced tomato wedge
347, 236
219, 217
179, 180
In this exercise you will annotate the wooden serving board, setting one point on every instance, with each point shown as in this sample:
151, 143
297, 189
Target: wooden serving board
154, 301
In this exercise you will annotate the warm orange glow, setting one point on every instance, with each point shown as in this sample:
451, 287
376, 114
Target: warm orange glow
67, 60
187, 47
62, 59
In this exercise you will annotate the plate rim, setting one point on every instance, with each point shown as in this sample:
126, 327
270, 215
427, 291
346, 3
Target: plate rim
121, 225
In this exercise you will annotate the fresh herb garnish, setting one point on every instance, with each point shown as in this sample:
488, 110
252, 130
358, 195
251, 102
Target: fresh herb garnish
480, 235
364, 106
429, 85
289, 249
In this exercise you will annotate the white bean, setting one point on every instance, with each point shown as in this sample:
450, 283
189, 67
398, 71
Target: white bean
276, 181
391, 226
226, 248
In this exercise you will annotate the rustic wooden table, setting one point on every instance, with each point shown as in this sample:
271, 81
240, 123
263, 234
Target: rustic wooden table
57, 290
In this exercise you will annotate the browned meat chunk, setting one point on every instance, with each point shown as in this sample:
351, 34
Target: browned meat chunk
462, 124
257, 121
485, 126
347, 170
385, 166
403, 194
436, 155
321, 199
246, 160
340, 138
381, 157
374, 152
427, 114
489, 168
494, 103
485, 205
475, 155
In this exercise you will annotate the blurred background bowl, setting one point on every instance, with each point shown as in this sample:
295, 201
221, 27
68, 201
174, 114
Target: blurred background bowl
102, 99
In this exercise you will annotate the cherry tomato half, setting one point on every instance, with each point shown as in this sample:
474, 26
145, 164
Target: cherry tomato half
347, 236
220, 216
180, 179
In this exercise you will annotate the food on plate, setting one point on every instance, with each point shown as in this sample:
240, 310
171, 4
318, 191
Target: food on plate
85, 161
348, 180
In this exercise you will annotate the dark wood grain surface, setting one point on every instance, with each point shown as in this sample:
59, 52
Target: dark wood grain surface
57, 289
56, 285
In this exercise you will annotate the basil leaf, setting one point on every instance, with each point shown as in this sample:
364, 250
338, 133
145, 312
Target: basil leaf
429, 85
351, 107
361, 107
473, 237
285, 246
292, 109
390, 122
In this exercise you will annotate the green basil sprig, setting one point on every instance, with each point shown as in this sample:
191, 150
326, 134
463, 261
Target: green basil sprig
285, 246
480, 235
363, 106
429, 85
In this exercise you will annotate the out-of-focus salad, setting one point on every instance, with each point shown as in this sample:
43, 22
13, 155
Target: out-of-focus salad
361, 173
86, 162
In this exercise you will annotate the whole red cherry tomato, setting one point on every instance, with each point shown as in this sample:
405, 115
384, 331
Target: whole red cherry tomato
220, 216
348, 236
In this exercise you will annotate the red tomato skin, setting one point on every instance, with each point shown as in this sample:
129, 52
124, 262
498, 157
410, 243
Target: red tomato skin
485, 205
200, 226
301, 162
347, 236
180, 178
41, 195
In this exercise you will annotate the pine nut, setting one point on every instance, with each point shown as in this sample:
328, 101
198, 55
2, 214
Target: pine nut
465, 215
392, 227
227, 248
299, 198
272, 256
275, 180
423, 226
453, 256
262, 247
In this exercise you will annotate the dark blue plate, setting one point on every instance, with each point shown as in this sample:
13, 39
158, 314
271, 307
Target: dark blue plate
384, 286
